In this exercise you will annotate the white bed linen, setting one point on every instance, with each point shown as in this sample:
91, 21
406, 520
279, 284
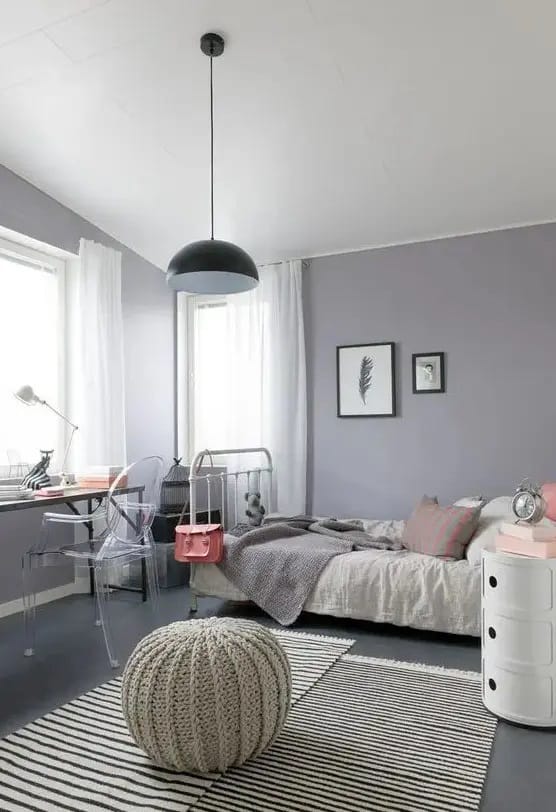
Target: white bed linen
403, 588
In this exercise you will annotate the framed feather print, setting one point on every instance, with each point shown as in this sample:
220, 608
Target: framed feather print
365, 375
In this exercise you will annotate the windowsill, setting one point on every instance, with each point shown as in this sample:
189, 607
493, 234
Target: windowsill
35, 245
17, 480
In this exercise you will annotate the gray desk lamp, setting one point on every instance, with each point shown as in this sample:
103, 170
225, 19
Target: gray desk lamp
27, 395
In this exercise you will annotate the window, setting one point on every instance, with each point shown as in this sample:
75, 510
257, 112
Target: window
32, 343
203, 373
224, 395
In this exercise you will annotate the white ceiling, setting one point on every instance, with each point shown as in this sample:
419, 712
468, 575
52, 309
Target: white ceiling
340, 124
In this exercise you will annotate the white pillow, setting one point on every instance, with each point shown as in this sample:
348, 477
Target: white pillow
500, 506
471, 502
496, 511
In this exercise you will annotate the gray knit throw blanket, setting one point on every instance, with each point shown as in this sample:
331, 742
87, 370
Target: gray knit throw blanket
277, 565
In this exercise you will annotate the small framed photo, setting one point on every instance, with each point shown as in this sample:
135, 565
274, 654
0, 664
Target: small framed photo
365, 375
428, 373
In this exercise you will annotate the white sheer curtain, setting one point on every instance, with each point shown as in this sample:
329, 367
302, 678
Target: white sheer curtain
266, 394
96, 367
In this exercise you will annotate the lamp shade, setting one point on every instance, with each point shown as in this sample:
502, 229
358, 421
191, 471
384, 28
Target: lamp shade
212, 266
27, 395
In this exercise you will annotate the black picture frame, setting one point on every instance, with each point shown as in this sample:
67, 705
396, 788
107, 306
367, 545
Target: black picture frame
392, 373
441, 388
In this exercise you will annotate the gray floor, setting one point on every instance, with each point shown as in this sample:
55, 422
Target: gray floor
71, 659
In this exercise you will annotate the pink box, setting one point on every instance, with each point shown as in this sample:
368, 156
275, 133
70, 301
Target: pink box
529, 532
532, 549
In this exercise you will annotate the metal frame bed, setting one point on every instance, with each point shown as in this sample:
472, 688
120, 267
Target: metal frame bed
405, 589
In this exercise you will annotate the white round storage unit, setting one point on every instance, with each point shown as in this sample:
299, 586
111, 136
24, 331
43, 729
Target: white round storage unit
519, 638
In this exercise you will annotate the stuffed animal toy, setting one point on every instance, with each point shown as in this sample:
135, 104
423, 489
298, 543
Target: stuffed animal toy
255, 510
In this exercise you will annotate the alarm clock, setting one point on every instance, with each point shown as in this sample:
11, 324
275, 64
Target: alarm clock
528, 504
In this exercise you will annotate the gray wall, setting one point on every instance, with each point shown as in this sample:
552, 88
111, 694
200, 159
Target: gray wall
149, 345
489, 302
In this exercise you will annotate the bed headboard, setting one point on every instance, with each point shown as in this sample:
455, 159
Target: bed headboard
225, 489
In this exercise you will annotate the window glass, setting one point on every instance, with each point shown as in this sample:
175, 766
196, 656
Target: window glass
210, 376
30, 354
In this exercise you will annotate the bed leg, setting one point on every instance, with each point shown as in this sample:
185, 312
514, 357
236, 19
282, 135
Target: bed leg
192, 594
193, 605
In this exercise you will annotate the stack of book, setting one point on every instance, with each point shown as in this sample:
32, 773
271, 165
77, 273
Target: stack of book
50, 490
99, 476
11, 493
534, 540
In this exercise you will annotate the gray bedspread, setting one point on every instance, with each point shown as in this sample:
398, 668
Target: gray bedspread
277, 565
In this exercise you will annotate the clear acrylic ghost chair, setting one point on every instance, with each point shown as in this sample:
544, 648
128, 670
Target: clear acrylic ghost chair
122, 535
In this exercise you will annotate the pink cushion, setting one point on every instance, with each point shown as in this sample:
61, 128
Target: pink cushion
443, 532
548, 491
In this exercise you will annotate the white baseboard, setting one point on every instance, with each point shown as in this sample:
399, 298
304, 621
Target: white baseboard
48, 595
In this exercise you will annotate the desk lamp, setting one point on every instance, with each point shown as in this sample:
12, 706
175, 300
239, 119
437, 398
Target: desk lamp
27, 395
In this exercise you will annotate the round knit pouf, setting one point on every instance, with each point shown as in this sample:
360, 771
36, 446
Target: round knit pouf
205, 695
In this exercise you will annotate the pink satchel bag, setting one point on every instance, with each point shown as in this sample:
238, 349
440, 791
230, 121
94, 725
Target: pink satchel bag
199, 543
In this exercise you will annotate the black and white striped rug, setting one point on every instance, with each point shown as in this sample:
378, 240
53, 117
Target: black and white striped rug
363, 734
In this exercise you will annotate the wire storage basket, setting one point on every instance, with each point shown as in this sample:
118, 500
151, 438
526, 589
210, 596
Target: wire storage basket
174, 491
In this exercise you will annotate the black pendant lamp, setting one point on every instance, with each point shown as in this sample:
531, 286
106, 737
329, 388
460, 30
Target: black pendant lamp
212, 266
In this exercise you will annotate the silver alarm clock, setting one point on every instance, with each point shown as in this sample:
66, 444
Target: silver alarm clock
528, 504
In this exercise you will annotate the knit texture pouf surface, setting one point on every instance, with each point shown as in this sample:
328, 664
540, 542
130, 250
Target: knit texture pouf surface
205, 695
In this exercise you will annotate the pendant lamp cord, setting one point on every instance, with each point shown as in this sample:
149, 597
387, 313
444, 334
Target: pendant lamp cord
211, 156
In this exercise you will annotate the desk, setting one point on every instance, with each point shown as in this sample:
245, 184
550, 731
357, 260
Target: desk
69, 498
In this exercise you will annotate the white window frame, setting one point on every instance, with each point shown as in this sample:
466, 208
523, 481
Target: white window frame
185, 368
42, 256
